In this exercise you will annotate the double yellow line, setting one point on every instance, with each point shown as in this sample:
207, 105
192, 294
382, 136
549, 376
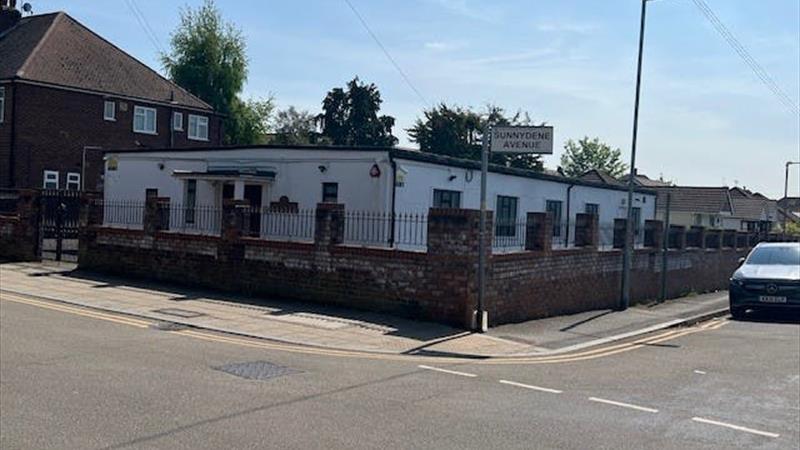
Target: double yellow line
75, 310
292, 348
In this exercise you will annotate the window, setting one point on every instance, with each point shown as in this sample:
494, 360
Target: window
592, 208
2, 104
73, 181
446, 199
330, 192
109, 110
506, 216
144, 120
698, 219
198, 127
191, 200
177, 121
50, 179
554, 208
637, 219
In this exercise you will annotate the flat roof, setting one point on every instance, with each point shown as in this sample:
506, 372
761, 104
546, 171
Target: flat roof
399, 153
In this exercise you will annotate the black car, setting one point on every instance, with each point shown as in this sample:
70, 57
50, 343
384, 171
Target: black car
768, 278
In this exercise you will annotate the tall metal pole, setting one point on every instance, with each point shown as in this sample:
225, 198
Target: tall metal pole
480, 322
628, 253
665, 250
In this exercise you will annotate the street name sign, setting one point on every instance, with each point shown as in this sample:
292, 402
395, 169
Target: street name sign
522, 139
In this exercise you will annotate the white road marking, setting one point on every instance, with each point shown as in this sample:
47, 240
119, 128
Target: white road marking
735, 427
452, 372
624, 405
530, 386
699, 372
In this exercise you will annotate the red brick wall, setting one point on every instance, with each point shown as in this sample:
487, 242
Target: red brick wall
19, 229
5, 138
439, 285
53, 126
534, 285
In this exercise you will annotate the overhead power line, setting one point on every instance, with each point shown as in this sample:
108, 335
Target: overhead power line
748, 59
144, 24
388, 55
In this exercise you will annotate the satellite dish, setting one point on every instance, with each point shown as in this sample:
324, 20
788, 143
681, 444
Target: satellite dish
27, 8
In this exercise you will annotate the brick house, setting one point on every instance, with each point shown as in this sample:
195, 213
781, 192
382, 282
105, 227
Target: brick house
66, 93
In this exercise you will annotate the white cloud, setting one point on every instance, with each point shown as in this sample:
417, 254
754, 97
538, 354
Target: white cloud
567, 27
441, 46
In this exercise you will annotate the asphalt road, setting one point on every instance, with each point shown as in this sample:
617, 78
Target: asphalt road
72, 380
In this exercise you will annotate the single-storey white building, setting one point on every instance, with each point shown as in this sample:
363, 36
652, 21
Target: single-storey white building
375, 180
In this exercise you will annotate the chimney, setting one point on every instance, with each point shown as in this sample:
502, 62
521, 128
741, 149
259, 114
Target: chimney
9, 15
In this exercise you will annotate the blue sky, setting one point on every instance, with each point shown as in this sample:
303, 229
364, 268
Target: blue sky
705, 118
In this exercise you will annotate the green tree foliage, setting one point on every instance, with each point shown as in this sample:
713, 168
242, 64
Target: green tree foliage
350, 116
587, 154
208, 58
458, 132
296, 127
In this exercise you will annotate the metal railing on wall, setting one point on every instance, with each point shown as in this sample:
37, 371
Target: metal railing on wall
122, 213
406, 231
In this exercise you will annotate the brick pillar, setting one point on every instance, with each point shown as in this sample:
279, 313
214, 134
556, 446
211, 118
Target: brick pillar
91, 213
329, 224
587, 233
156, 214
713, 239
677, 237
653, 233
539, 232
453, 252
620, 226
27, 232
729, 239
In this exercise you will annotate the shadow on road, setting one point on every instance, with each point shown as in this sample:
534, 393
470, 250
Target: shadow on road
772, 316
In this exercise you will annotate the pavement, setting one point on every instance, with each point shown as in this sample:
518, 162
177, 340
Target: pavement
329, 327
75, 378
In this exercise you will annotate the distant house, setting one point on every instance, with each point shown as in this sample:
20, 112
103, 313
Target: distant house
600, 176
717, 208
791, 205
66, 93
644, 181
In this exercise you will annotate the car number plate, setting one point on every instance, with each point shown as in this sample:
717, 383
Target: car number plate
771, 299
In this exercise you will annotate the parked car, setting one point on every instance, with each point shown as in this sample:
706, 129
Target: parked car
769, 278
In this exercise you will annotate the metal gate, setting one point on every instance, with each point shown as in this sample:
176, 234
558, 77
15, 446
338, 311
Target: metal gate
60, 220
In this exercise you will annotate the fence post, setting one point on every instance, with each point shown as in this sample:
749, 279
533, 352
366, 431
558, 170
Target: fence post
329, 226
539, 232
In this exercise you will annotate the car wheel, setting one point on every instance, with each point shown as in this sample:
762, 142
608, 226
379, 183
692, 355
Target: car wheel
737, 312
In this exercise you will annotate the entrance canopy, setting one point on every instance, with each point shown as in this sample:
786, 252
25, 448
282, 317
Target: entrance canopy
244, 174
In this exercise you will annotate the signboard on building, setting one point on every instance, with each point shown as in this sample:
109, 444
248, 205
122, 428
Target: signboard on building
522, 139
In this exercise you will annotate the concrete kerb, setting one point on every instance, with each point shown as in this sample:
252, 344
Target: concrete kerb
689, 321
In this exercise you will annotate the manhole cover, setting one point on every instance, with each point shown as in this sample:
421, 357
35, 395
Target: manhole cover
256, 370
168, 326
184, 313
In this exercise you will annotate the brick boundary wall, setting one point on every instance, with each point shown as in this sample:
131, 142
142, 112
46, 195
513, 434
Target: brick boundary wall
438, 285
19, 230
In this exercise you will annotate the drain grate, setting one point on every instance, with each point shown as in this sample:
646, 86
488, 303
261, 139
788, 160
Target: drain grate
168, 326
256, 370
177, 312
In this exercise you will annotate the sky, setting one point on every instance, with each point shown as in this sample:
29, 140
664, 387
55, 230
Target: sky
705, 118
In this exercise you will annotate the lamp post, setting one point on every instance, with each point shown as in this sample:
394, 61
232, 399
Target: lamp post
786, 189
628, 253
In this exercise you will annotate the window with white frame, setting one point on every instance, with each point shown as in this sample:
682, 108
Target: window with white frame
73, 181
110, 110
50, 179
2, 104
198, 127
144, 120
177, 121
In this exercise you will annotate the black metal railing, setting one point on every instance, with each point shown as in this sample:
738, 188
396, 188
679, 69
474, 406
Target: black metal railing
407, 231
122, 213
191, 219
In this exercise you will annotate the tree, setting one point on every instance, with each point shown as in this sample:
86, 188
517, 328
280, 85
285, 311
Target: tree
588, 154
207, 58
293, 127
350, 117
458, 132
